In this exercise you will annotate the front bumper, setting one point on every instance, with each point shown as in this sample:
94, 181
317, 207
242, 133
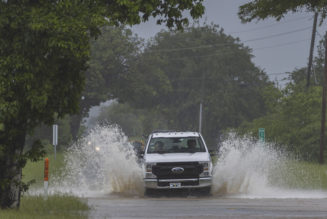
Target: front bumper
185, 183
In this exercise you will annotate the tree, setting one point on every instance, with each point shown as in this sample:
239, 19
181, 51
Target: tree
178, 70
44, 51
110, 57
293, 119
294, 123
262, 9
134, 122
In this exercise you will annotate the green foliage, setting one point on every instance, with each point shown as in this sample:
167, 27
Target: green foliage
44, 49
295, 122
296, 174
36, 151
167, 78
262, 9
57, 206
44, 134
34, 171
134, 122
110, 58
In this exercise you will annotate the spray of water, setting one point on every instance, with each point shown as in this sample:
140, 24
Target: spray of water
100, 163
103, 162
253, 169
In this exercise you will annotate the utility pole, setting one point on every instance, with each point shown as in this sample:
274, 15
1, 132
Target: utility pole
313, 37
200, 118
201, 103
323, 109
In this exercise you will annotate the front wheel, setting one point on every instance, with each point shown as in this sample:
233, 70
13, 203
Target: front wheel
206, 191
149, 192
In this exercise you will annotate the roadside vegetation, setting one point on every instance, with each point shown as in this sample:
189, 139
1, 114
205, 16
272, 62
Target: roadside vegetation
158, 84
293, 118
295, 174
236, 96
42, 78
55, 206
34, 171
306, 175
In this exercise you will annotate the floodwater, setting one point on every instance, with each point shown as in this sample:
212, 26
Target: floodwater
206, 207
103, 162
251, 179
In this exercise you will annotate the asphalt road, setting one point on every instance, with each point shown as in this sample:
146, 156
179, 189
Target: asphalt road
112, 206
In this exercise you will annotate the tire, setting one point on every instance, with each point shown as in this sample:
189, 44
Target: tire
206, 191
149, 192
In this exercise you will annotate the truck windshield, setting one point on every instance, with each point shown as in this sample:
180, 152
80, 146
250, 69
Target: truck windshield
176, 145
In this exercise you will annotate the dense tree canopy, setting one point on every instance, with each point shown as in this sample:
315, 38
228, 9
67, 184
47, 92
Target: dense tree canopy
44, 49
294, 124
178, 70
110, 58
261, 9
294, 117
135, 123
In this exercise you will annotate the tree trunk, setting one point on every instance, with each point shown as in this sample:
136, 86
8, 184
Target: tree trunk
11, 170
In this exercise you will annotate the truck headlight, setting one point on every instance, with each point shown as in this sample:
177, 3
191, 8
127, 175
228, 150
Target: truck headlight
148, 167
207, 167
148, 170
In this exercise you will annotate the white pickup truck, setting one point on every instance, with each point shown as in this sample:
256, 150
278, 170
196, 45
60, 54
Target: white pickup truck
175, 160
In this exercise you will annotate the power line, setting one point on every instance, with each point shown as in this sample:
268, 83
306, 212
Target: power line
199, 78
232, 52
229, 44
282, 44
268, 26
278, 34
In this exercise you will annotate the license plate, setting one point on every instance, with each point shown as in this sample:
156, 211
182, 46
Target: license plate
175, 185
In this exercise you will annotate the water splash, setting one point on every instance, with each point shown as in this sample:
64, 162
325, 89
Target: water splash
103, 162
252, 169
100, 163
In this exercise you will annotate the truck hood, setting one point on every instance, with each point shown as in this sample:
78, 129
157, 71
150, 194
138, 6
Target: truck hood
177, 157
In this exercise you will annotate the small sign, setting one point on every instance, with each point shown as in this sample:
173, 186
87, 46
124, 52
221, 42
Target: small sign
262, 134
55, 134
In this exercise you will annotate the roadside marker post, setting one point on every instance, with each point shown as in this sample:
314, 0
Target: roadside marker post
262, 135
46, 177
55, 139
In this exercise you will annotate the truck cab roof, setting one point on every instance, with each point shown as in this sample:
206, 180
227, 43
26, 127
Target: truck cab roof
174, 134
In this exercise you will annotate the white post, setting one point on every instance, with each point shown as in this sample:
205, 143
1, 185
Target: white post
55, 138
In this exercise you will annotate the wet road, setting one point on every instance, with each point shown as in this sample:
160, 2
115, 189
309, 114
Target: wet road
205, 207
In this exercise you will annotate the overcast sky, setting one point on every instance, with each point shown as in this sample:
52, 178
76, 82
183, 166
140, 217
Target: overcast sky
275, 54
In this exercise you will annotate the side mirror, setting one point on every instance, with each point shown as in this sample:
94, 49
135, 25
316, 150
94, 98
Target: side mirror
212, 152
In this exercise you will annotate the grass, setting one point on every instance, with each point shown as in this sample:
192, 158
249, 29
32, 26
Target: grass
304, 175
57, 206
295, 174
35, 170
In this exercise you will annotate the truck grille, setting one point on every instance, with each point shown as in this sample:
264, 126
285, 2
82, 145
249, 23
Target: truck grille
190, 183
164, 170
